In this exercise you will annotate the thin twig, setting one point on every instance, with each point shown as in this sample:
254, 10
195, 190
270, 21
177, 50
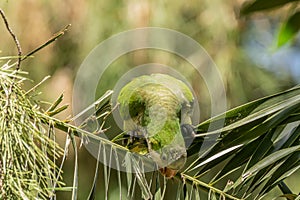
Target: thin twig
191, 180
52, 39
19, 56
49, 41
1, 178
14, 38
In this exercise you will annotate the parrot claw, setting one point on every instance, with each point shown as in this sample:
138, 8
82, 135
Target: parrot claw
188, 134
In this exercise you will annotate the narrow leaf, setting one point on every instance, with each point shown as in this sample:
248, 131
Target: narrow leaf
56, 103
128, 167
259, 5
220, 154
285, 170
118, 172
285, 109
269, 160
264, 163
141, 179
58, 110
92, 194
284, 188
239, 159
179, 191
158, 190
260, 150
290, 196
75, 177
289, 29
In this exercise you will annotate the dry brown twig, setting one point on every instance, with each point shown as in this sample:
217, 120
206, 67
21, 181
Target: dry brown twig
14, 38
49, 41
13, 182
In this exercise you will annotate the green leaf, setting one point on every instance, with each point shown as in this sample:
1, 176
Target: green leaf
245, 124
216, 156
290, 196
265, 163
256, 123
260, 150
268, 124
179, 191
58, 110
276, 170
75, 177
259, 5
289, 166
142, 181
250, 112
128, 166
118, 173
196, 192
92, 194
29, 154
242, 132
158, 195
289, 29
242, 156
56, 103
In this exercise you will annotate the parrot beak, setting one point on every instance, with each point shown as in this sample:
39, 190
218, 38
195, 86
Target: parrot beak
178, 164
170, 164
171, 170
167, 172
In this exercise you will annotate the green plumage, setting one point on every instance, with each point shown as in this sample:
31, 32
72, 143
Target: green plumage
154, 106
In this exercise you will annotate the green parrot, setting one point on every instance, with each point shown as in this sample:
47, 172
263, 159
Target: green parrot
157, 110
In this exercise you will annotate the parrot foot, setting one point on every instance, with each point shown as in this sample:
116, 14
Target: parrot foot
188, 134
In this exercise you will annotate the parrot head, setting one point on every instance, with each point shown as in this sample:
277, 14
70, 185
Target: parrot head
153, 108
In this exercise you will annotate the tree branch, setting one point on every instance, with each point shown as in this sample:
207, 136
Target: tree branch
14, 38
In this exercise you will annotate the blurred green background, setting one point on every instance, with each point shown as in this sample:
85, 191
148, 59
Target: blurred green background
242, 48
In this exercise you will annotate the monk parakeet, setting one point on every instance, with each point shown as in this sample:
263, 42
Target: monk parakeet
156, 110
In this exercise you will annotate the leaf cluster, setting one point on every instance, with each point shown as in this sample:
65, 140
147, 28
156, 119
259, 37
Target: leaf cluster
289, 28
28, 152
256, 149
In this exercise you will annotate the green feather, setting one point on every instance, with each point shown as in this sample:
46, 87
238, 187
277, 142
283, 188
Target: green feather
154, 106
